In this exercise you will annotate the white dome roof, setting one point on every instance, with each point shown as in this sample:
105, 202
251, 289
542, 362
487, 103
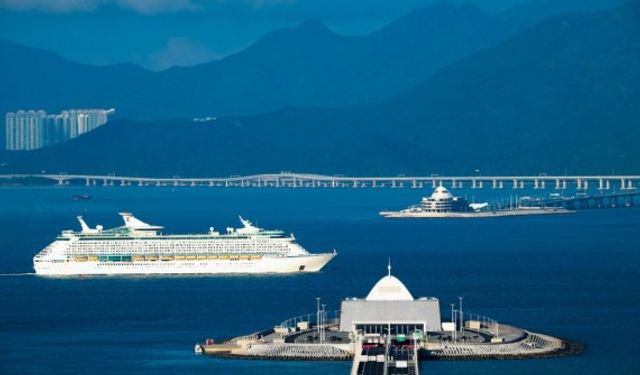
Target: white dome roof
389, 288
441, 193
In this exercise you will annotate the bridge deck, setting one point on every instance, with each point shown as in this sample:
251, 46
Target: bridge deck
287, 179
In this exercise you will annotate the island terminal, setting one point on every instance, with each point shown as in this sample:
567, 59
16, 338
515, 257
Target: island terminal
390, 331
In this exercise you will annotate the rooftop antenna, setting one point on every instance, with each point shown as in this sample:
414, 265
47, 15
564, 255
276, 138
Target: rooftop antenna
389, 267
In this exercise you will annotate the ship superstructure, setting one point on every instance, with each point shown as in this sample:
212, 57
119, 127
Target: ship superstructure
141, 248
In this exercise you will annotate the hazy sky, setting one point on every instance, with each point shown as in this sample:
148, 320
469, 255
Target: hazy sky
161, 33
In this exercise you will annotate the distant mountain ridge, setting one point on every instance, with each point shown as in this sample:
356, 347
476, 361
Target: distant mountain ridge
306, 65
528, 14
560, 97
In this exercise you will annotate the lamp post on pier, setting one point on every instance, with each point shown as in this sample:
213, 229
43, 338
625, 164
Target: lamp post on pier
461, 315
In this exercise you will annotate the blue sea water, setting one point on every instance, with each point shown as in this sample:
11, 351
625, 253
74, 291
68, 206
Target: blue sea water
575, 276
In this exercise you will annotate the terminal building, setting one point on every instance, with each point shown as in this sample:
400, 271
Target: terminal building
441, 200
389, 308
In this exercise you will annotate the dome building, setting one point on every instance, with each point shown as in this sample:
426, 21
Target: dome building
441, 200
390, 308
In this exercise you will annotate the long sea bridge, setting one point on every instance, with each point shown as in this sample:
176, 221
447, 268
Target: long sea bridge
308, 180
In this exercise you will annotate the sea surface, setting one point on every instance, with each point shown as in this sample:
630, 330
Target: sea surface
575, 276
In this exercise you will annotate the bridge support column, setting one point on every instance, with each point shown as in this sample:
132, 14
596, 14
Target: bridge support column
630, 184
543, 184
494, 184
557, 184
433, 184
515, 183
579, 184
480, 184
585, 184
535, 184
393, 183
454, 184
140, 183
414, 184
87, 182
473, 184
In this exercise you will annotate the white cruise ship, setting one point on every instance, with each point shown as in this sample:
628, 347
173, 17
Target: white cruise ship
140, 248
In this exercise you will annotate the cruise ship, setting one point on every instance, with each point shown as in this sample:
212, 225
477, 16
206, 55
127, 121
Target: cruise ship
140, 248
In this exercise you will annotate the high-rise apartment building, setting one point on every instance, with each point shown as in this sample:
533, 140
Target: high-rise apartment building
30, 130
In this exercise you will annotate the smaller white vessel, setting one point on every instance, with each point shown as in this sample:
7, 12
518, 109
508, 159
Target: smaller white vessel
442, 204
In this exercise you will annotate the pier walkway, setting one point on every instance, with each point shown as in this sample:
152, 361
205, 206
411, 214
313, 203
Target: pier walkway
619, 199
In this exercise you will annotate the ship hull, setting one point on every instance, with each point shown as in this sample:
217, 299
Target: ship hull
294, 264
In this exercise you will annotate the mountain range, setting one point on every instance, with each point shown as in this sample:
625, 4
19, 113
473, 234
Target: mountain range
306, 65
560, 97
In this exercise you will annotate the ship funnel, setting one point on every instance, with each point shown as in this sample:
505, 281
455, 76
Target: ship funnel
83, 225
132, 222
247, 227
245, 222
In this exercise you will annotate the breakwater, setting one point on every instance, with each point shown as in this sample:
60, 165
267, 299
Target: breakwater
532, 345
527, 345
